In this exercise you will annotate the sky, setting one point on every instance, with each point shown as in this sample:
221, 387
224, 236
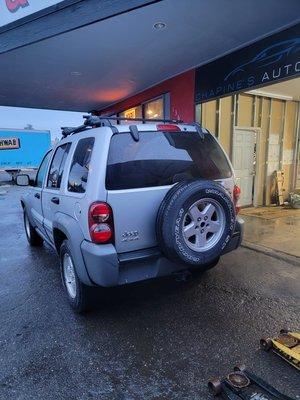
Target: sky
13, 117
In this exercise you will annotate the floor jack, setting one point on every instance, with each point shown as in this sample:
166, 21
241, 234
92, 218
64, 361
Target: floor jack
286, 345
243, 384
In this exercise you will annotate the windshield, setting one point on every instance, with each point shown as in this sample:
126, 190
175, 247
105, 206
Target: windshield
163, 158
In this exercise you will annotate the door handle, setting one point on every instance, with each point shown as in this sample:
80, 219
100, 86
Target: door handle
55, 200
37, 195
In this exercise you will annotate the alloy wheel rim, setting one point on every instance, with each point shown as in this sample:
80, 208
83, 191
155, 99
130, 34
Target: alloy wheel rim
69, 275
203, 224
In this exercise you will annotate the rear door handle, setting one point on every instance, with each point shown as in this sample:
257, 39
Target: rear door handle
37, 195
55, 200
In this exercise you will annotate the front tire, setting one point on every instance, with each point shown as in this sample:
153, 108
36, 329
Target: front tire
79, 294
32, 236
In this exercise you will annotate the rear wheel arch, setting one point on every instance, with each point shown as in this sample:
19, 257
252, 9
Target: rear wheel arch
67, 228
59, 237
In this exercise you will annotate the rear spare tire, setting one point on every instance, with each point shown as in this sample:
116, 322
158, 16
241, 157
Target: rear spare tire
195, 222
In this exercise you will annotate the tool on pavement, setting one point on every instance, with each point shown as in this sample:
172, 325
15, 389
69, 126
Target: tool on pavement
243, 384
286, 345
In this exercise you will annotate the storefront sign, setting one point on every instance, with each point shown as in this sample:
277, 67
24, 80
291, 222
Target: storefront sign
12, 10
9, 143
274, 58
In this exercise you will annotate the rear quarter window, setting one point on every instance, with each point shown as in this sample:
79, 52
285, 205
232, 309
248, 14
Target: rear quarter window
80, 166
163, 158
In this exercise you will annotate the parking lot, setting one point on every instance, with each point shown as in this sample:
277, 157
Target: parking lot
157, 340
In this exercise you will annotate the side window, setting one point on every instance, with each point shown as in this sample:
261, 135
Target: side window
42, 170
57, 166
79, 171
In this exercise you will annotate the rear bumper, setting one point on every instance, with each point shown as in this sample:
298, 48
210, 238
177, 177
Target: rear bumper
107, 268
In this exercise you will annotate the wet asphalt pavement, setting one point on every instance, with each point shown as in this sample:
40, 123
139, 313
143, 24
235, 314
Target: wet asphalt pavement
156, 340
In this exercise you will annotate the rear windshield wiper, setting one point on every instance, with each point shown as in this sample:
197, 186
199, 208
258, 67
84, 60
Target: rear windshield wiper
134, 132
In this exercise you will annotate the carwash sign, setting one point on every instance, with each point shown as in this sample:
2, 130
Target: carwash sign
9, 143
12, 10
274, 58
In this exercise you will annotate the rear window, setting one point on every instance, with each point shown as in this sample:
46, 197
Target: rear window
163, 158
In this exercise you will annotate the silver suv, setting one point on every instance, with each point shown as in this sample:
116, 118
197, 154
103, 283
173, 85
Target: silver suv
122, 203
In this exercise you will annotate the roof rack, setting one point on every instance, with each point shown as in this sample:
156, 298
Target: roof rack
93, 121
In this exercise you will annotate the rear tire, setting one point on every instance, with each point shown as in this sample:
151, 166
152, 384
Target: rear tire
32, 236
78, 294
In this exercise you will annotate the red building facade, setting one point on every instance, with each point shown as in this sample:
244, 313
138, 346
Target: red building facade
177, 100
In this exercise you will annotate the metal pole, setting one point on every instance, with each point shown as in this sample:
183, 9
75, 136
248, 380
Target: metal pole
260, 111
234, 105
254, 110
218, 118
267, 153
297, 149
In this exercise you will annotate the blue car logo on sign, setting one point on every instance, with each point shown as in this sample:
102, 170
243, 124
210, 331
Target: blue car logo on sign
270, 55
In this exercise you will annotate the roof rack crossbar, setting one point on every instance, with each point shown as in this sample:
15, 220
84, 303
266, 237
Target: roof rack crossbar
66, 131
103, 117
90, 121
102, 120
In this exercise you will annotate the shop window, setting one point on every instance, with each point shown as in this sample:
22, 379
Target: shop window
158, 108
134, 112
198, 113
154, 109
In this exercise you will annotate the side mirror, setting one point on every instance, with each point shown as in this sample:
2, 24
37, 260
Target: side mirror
23, 180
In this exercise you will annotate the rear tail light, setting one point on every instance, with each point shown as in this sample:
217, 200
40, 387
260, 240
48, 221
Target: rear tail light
101, 222
168, 128
236, 197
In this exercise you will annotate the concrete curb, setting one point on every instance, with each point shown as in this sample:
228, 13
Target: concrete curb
280, 255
